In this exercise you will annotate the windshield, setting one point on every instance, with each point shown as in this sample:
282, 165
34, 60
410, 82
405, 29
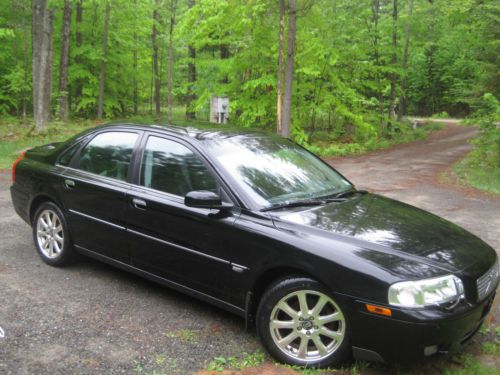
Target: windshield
274, 171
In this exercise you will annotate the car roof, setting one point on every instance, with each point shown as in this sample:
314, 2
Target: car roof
190, 132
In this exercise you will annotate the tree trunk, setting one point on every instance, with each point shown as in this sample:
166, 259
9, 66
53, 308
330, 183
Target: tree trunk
79, 41
151, 84
279, 104
102, 77
25, 92
375, 7
15, 49
43, 20
224, 54
156, 75
404, 82
290, 55
47, 92
170, 77
191, 95
63, 64
136, 87
394, 60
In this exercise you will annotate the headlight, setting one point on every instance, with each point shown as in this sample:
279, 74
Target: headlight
426, 292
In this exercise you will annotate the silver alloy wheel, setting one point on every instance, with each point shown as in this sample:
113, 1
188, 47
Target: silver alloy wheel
49, 234
307, 325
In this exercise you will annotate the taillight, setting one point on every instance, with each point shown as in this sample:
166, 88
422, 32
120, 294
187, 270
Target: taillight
14, 166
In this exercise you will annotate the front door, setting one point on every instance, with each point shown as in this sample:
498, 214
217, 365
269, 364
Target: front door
182, 244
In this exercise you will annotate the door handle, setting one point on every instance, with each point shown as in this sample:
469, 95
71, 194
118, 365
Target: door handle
69, 183
139, 203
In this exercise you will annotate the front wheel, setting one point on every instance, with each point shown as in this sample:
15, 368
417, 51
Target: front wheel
300, 323
51, 235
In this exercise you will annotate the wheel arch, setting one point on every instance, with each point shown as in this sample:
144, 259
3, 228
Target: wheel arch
37, 201
265, 279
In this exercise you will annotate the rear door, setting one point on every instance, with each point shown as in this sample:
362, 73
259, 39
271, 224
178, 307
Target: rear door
182, 244
94, 189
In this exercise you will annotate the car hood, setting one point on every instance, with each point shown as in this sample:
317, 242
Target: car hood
399, 229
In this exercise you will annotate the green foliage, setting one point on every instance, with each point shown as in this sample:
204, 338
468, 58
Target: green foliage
185, 335
240, 362
492, 348
16, 137
470, 365
455, 56
481, 167
343, 64
443, 114
324, 144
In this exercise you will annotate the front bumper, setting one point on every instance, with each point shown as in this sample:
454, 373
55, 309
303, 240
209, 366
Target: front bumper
415, 335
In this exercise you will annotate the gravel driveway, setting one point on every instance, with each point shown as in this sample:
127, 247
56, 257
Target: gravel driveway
91, 318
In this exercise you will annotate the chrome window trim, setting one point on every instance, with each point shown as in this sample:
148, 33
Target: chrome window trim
129, 185
90, 174
244, 268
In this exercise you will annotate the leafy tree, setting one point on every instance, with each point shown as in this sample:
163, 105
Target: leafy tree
317, 70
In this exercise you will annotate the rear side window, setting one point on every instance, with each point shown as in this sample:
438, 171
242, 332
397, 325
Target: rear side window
68, 154
109, 154
173, 168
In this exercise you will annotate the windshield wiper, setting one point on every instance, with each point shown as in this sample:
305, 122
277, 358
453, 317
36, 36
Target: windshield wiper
346, 193
339, 197
302, 202
297, 203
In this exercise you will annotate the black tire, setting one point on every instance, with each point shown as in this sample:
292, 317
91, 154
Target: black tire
60, 255
307, 329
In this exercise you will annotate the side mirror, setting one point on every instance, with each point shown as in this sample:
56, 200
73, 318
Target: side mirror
205, 199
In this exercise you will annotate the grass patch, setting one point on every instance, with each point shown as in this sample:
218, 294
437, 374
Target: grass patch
480, 177
186, 335
324, 145
468, 365
492, 348
240, 362
16, 137
159, 364
481, 167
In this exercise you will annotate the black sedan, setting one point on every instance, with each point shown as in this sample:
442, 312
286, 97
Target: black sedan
261, 227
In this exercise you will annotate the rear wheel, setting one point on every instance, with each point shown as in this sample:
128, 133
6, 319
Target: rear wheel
300, 323
51, 235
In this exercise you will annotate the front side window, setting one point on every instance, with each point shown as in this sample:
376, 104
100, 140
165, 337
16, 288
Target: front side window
173, 168
109, 154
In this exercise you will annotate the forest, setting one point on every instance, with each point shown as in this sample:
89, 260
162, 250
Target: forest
331, 74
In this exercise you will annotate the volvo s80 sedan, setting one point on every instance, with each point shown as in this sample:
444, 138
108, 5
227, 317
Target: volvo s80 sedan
259, 226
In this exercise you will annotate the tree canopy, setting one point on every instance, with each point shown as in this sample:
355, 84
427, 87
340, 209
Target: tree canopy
354, 61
